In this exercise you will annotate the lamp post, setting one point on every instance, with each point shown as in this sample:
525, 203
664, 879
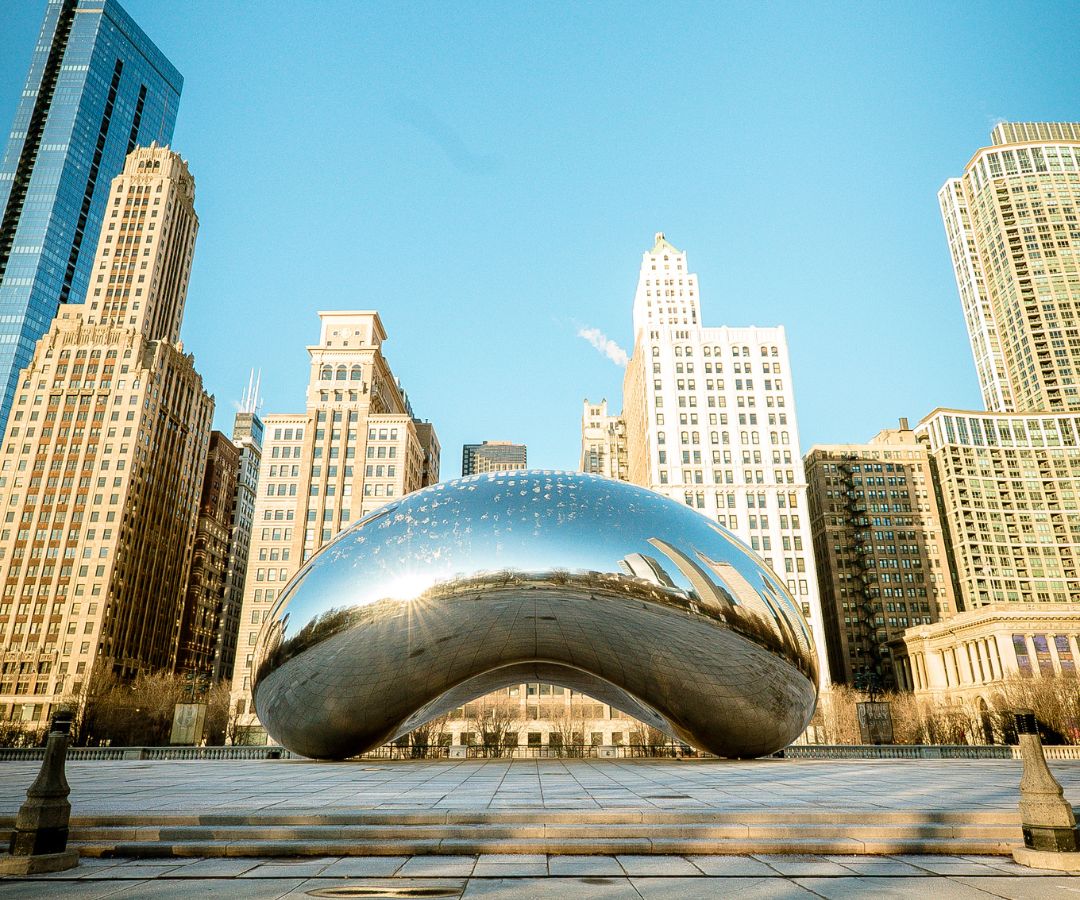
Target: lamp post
39, 842
1051, 840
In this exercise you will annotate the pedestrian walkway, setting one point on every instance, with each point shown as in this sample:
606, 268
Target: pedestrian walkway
193, 786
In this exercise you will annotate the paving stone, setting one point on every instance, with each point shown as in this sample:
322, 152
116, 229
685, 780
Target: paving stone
432, 866
231, 888
510, 865
657, 865
359, 866
217, 868
1026, 888
731, 865
713, 888
68, 890
584, 865
850, 888
802, 865
585, 888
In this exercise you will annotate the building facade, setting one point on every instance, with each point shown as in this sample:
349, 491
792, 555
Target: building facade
880, 548
1007, 488
603, 442
203, 615
247, 437
1012, 224
492, 456
966, 658
102, 460
96, 89
710, 421
356, 447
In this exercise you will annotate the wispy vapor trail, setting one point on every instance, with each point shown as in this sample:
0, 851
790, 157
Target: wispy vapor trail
604, 345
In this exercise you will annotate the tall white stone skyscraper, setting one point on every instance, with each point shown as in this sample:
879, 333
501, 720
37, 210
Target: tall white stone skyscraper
710, 421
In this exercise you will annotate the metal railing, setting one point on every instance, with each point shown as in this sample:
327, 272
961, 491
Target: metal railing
587, 751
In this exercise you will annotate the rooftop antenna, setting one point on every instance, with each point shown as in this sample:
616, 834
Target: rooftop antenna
249, 402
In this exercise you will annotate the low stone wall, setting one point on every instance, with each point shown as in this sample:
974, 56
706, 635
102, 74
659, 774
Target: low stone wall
919, 751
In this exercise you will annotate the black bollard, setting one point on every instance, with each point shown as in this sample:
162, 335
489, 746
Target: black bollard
39, 842
1051, 840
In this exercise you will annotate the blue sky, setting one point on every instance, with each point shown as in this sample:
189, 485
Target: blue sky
487, 175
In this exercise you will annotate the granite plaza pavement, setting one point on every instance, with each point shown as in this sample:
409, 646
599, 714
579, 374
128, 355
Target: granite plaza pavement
304, 785
298, 786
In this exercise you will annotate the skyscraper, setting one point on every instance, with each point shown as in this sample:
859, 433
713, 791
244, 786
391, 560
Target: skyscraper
710, 421
205, 603
1012, 225
880, 546
603, 441
103, 460
355, 448
247, 436
96, 89
1007, 487
492, 456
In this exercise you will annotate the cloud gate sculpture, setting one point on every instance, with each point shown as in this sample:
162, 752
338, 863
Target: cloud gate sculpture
576, 580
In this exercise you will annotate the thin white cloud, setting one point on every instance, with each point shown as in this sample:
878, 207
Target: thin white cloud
604, 345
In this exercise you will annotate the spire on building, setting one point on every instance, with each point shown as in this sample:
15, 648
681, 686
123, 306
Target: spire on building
249, 400
661, 243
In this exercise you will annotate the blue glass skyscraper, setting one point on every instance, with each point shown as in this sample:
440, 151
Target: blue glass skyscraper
97, 88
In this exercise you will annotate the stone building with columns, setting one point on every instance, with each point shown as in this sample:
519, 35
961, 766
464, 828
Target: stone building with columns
966, 657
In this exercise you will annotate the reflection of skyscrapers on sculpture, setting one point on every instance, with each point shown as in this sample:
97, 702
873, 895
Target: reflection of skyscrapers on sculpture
356, 447
104, 457
96, 89
492, 456
709, 420
474, 585
603, 442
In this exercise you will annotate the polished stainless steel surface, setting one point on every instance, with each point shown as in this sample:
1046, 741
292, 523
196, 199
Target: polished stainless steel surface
576, 580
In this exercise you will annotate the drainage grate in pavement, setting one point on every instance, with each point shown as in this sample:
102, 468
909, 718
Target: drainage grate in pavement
385, 892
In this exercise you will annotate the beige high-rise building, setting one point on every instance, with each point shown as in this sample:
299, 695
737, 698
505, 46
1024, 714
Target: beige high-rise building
880, 547
1014, 234
603, 442
710, 421
355, 448
103, 458
1007, 486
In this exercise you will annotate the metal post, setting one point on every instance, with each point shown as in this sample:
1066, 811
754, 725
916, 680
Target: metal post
1051, 840
39, 842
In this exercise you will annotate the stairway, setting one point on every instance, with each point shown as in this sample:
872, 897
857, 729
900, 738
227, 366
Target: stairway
367, 832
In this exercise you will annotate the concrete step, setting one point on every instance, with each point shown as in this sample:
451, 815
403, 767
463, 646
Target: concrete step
411, 832
695, 831
589, 846
533, 816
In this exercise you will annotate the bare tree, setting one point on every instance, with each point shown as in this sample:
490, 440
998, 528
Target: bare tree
497, 719
653, 741
568, 726
431, 734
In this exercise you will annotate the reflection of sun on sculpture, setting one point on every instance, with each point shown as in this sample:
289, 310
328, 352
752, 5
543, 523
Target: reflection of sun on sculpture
477, 584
